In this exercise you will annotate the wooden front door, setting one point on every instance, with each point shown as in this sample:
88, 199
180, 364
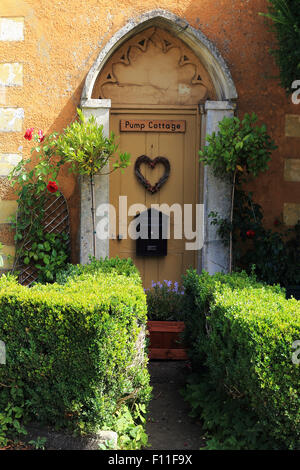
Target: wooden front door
182, 186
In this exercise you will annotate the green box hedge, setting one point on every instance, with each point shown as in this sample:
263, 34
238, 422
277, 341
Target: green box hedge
71, 347
242, 332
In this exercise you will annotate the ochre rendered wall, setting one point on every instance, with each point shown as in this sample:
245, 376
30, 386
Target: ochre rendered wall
47, 48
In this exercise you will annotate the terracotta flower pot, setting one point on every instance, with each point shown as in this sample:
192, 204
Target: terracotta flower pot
165, 340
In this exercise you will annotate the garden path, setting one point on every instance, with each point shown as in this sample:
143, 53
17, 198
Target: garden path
169, 425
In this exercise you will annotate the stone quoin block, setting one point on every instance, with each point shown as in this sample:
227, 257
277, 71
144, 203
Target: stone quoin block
292, 169
12, 29
7, 208
11, 74
11, 119
2, 95
292, 125
291, 213
7, 162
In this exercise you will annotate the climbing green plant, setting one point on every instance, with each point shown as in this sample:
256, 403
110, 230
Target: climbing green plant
95, 317
239, 150
33, 179
285, 23
88, 151
274, 251
48, 253
11, 426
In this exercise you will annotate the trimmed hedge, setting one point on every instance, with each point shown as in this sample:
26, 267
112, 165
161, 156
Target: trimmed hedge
242, 332
116, 266
71, 348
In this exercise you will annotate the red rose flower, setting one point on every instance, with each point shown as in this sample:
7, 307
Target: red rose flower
52, 187
250, 234
276, 222
28, 133
41, 136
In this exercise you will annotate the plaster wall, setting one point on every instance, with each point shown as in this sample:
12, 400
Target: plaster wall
55, 45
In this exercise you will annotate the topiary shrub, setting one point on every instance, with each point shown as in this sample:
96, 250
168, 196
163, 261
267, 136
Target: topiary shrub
240, 334
71, 348
241, 149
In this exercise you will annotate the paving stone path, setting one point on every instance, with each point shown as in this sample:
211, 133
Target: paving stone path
169, 425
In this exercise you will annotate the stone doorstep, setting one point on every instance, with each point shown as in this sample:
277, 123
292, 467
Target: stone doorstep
62, 441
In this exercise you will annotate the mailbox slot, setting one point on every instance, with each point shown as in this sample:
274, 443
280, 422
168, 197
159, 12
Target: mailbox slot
152, 228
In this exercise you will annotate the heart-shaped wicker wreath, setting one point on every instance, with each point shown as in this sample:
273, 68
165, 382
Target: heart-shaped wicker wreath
152, 164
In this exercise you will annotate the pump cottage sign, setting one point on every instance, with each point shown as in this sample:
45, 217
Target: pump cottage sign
148, 125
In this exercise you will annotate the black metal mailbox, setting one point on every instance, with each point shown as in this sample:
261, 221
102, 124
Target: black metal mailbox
152, 227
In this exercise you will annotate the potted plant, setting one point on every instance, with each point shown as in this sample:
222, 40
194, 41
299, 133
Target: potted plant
165, 303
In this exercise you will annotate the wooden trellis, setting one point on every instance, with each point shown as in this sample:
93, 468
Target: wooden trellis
56, 220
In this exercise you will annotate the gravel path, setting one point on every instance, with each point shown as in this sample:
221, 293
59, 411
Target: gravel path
169, 426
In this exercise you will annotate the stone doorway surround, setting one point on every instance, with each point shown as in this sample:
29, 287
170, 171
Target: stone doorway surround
214, 255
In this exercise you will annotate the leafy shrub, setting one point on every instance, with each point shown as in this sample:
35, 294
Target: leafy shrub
239, 150
285, 17
275, 252
131, 436
71, 348
229, 424
48, 253
117, 266
165, 301
84, 145
240, 145
10, 427
240, 332
33, 179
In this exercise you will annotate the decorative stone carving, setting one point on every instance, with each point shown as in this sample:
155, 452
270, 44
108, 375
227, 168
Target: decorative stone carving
140, 71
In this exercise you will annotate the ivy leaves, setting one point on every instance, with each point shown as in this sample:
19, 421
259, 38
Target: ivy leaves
239, 149
48, 254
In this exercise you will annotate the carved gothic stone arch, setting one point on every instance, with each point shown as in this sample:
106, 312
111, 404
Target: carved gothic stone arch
123, 67
154, 67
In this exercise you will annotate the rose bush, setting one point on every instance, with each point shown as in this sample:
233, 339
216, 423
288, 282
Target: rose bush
52, 187
28, 134
33, 179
